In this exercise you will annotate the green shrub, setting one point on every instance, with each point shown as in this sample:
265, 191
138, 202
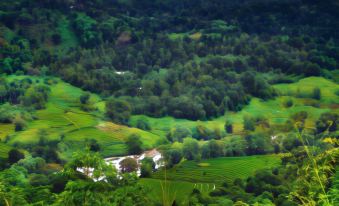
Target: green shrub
316, 93
288, 103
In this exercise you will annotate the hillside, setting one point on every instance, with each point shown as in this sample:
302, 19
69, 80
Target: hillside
63, 120
169, 102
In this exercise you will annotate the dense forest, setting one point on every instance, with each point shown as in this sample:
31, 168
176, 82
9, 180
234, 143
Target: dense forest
200, 81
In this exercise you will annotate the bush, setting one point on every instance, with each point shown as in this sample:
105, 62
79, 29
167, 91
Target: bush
178, 133
19, 124
134, 143
316, 93
128, 165
288, 103
228, 127
84, 98
14, 156
143, 124
249, 123
118, 111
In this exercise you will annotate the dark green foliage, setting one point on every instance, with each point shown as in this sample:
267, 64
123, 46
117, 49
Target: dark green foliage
143, 124
128, 165
249, 123
118, 111
327, 121
84, 98
228, 127
316, 93
14, 155
172, 156
134, 144
19, 124
86, 27
94, 145
288, 103
216, 148
258, 144
36, 97
56, 38
147, 167
256, 85
178, 134
191, 149
202, 132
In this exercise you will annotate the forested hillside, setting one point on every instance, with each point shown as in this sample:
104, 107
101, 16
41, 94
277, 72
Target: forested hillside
238, 98
161, 55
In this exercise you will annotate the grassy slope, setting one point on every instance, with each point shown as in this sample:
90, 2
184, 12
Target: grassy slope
63, 117
4, 149
272, 109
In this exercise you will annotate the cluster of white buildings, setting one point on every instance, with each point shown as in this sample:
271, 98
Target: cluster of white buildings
154, 154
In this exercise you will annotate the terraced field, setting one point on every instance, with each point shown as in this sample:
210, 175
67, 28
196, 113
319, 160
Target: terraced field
219, 170
63, 118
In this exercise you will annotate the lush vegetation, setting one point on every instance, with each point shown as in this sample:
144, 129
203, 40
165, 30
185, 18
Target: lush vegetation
239, 97
219, 170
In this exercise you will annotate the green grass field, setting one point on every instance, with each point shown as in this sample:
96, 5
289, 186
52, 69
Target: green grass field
219, 170
63, 117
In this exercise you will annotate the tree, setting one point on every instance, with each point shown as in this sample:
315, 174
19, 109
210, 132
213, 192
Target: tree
147, 167
178, 133
235, 146
19, 124
14, 155
191, 149
118, 111
128, 165
228, 127
134, 144
84, 98
143, 124
36, 97
94, 145
316, 93
216, 148
92, 165
249, 123
173, 154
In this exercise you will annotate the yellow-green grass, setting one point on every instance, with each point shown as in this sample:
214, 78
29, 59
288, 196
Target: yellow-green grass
219, 170
5, 129
4, 149
273, 110
158, 190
